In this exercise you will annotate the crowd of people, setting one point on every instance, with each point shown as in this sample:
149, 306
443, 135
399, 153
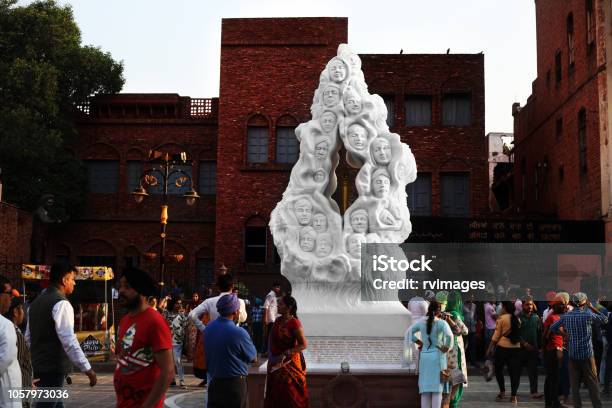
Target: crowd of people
568, 335
154, 338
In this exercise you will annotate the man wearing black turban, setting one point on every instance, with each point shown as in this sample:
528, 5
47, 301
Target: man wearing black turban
144, 350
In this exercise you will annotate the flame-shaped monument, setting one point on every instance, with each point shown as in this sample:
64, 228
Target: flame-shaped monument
320, 249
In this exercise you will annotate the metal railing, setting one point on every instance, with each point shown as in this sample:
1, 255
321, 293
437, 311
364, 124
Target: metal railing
201, 107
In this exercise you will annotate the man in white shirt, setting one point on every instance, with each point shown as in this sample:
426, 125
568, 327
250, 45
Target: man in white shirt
225, 283
10, 373
50, 332
270, 310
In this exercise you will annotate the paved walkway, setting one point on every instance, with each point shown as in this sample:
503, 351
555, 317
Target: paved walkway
479, 394
103, 394
482, 394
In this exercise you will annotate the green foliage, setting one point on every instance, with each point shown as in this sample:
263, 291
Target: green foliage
44, 72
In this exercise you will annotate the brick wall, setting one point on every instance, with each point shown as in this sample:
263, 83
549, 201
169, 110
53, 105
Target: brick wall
438, 148
15, 235
548, 179
126, 127
269, 67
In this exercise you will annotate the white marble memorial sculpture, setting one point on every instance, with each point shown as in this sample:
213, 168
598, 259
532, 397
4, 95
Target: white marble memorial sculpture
319, 248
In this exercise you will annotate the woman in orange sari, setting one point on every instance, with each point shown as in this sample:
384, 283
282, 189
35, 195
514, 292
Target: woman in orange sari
199, 359
286, 381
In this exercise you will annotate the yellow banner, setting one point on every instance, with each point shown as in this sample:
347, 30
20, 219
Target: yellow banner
41, 272
93, 344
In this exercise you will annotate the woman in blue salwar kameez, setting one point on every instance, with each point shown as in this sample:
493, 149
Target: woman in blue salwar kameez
436, 340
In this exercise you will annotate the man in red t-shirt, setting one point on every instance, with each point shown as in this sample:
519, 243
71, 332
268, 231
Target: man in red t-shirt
553, 354
144, 349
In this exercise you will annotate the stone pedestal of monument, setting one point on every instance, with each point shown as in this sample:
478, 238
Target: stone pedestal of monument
366, 385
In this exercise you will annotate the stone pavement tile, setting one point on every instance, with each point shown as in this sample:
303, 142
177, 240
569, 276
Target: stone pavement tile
103, 394
480, 393
188, 400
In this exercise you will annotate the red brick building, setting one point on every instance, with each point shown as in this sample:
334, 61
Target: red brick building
116, 134
269, 71
243, 147
15, 235
562, 152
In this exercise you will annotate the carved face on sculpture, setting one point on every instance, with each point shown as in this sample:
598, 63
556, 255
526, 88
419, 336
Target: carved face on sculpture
352, 102
381, 183
353, 244
322, 149
319, 222
381, 149
308, 237
331, 95
328, 121
359, 221
357, 136
337, 70
324, 244
355, 62
401, 171
303, 211
319, 176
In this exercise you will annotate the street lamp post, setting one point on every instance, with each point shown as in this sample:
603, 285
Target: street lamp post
164, 167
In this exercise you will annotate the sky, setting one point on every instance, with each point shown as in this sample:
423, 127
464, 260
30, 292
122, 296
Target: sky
174, 46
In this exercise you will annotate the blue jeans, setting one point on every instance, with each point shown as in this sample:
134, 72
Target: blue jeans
51, 380
564, 382
177, 352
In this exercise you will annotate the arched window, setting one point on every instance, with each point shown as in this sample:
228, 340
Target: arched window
131, 257
590, 25
558, 68
208, 178
205, 267
255, 240
570, 40
287, 147
258, 130
523, 173
97, 252
102, 162
134, 169
582, 143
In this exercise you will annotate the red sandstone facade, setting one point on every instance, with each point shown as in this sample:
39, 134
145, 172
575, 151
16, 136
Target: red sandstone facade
269, 71
561, 134
15, 234
438, 148
117, 131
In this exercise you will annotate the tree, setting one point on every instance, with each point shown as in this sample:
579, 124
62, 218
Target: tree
45, 72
